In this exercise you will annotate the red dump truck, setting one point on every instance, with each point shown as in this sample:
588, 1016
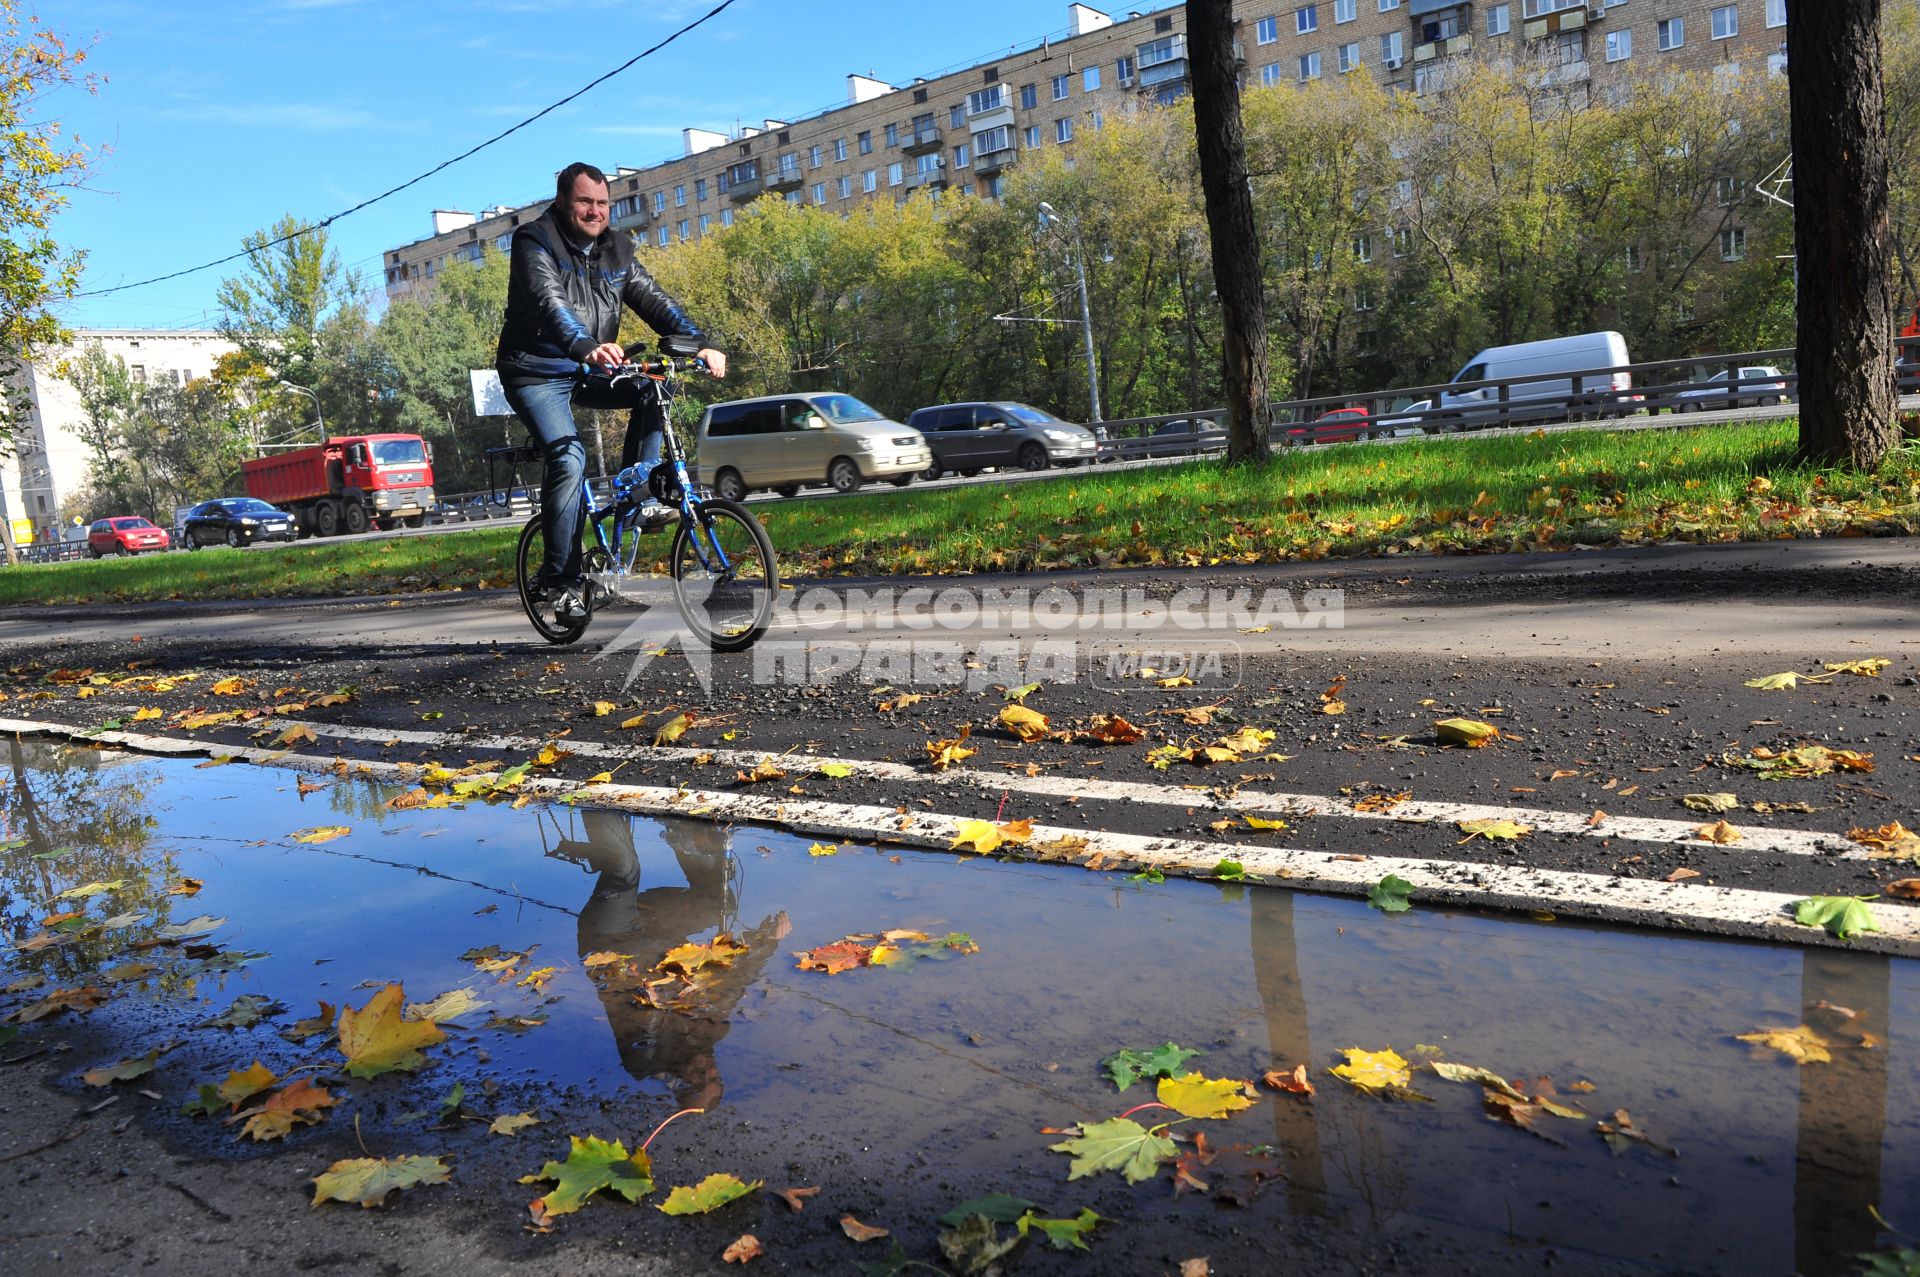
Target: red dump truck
349, 483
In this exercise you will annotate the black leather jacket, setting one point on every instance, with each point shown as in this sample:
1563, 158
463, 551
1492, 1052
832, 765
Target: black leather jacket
563, 300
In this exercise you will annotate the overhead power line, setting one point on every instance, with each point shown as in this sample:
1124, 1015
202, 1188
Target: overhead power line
324, 222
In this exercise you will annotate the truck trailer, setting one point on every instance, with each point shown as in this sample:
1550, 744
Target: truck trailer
348, 483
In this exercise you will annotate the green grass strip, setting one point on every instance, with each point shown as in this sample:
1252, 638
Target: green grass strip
1538, 491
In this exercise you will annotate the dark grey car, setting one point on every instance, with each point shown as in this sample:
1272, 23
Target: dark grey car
966, 438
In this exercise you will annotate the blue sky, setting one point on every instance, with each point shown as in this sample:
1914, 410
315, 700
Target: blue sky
218, 118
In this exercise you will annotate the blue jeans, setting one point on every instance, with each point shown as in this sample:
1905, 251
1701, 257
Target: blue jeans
546, 409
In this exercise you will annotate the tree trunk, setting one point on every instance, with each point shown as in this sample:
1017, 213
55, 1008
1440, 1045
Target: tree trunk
1841, 232
1236, 249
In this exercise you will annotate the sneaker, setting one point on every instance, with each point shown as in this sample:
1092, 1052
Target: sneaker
571, 605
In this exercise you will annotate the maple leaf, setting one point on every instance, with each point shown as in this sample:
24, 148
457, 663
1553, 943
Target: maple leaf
231, 686
945, 753
1027, 724
375, 1040
1295, 1083
325, 833
1465, 731
127, 972
841, 955
240, 1086
1392, 894
592, 1164
294, 735
839, 771
903, 701
537, 978
1893, 841
93, 889
301, 1030
762, 770
1843, 916
1063, 1234
1018, 695
1262, 822
1713, 804
860, 1232
247, 1009
1000, 1208
1491, 828
126, 1070
1177, 680
1126, 1067
1801, 761
1869, 667
709, 1194
1904, 888
448, 1006
603, 708
1783, 682
689, 958
1192, 1095
1117, 1144
1621, 1134
1471, 1074
824, 849
186, 887
744, 1247
1799, 1044
298, 1103
1718, 832
1382, 802
371, 1180
673, 729
1374, 1070
982, 836
904, 948
199, 926
1229, 871
1111, 729
508, 1124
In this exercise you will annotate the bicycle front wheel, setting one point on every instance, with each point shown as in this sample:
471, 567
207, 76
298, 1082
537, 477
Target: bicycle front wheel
541, 611
725, 579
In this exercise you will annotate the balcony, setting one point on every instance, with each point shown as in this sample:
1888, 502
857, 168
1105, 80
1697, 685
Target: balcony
786, 179
993, 161
934, 179
634, 217
1580, 72
1555, 23
982, 121
744, 189
1160, 73
928, 139
1442, 48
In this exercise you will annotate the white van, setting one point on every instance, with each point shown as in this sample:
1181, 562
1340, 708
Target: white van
1551, 384
785, 442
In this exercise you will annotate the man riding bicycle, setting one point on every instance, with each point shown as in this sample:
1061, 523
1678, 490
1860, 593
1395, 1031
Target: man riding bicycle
571, 272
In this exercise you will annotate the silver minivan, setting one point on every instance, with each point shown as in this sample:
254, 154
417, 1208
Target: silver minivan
786, 442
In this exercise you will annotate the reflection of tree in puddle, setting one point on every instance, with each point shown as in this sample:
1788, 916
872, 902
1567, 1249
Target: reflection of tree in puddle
674, 1044
84, 817
1843, 1111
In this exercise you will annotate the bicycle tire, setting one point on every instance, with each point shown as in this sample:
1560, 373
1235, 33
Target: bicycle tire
727, 612
526, 566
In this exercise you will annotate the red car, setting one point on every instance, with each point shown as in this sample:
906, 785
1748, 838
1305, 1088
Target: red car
1338, 425
127, 534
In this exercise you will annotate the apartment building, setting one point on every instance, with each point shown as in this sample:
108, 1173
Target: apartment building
964, 130
49, 464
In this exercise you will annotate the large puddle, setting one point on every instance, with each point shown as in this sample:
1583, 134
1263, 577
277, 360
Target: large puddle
965, 1060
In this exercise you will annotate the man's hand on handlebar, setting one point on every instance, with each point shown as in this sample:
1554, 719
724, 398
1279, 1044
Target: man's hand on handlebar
716, 362
607, 355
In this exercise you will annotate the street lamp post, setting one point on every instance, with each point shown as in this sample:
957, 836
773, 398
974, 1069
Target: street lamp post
319, 417
1050, 218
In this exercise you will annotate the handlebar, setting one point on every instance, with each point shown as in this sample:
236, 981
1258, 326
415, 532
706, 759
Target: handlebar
649, 366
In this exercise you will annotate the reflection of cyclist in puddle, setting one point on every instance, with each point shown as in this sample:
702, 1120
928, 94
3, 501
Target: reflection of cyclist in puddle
677, 1045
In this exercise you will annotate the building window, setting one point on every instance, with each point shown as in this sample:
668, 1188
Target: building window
1350, 56
1059, 88
1776, 13
839, 148
1270, 75
893, 135
1391, 49
706, 220
1123, 69
1402, 241
1569, 47
1726, 22
1098, 120
844, 187
1499, 19
1730, 191
680, 228
699, 188
1343, 10
815, 157
1619, 45
1726, 77
865, 141
1733, 244
679, 197
987, 100
1090, 79
1633, 259
659, 201
1671, 33
894, 175
1403, 190
870, 181
1267, 30
1029, 96
726, 217
1309, 66
1387, 6
1306, 18
960, 157
1362, 248
1363, 298
819, 192
665, 236
993, 186
1033, 136
1063, 130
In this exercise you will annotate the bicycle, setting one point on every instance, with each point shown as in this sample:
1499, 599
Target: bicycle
721, 562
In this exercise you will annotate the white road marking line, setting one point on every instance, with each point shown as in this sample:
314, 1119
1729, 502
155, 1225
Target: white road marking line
1628, 828
1715, 910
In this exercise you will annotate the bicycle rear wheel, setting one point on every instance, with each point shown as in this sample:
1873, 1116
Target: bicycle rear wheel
526, 569
729, 607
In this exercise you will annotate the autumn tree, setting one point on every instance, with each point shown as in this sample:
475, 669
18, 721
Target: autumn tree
425, 347
274, 310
